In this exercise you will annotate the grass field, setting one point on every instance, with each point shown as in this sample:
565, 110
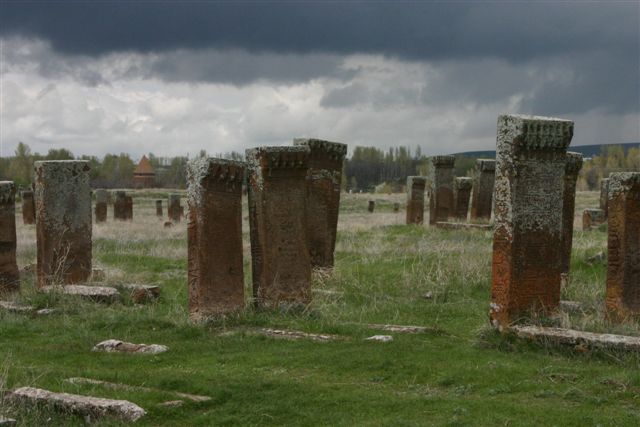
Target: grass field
462, 373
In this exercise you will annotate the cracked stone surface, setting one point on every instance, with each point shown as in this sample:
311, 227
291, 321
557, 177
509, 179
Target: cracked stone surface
117, 346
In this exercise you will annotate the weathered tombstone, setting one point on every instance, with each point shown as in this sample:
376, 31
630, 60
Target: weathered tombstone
371, 206
623, 270
159, 208
277, 218
483, 181
572, 168
415, 199
323, 197
9, 273
440, 188
63, 222
173, 211
592, 218
396, 207
604, 196
216, 277
28, 207
101, 205
120, 206
461, 194
527, 239
128, 208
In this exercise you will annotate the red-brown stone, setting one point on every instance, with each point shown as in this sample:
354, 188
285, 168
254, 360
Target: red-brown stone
9, 273
572, 168
461, 194
28, 208
159, 208
482, 196
415, 199
440, 188
174, 208
102, 198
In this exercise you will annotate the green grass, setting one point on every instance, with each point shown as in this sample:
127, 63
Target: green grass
463, 374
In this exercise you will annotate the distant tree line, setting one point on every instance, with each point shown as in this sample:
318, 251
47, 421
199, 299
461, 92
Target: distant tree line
611, 159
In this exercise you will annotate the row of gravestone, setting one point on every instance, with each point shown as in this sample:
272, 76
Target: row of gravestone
595, 217
294, 196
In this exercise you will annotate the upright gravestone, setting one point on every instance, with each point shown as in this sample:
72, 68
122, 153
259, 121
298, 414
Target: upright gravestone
440, 188
623, 271
371, 206
415, 199
461, 194
128, 208
9, 273
572, 168
280, 260
323, 197
173, 211
592, 218
527, 239
483, 181
216, 277
120, 207
28, 208
63, 222
604, 196
159, 208
102, 197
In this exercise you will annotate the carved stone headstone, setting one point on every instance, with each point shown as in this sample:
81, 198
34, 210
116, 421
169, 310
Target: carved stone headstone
527, 239
102, 197
592, 218
63, 222
323, 197
415, 199
120, 206
371, 206
623, 271
9, 273
173, 211
28, 207
396, 207
277, 217
604, 196
159, 208
128, 204
461, 194
216, 276
483, 181
440, 188
572, 168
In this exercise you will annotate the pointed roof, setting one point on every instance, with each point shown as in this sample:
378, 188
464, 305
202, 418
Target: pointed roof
144, 166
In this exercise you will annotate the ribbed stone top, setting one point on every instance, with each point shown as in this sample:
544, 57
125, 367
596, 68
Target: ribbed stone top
226, 171
7, 191
335, 150
574, 163
278, 157
443, 161
620, 182
463, 183
536, 132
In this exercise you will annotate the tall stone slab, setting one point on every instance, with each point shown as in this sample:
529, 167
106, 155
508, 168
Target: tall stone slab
28, 208
128, 208
571, 170
604, 196
482, 196
9, 273
371, 206
592, 218
216, 276
528, 201
174, 208
63, 222
415, 199
323, 197
277, 190
120, 208
461, 194
159, 208
623, 270
102, 198
441, 188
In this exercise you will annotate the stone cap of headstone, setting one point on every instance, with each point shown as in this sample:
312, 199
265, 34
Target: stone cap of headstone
174, 196
121, 194
278, 157
416, 179
57, 166
620, 182
219, 169
486, 165
7, 191
536, 132
101, 195
443, 161
335, 150
463, 183
574, 163
597, 214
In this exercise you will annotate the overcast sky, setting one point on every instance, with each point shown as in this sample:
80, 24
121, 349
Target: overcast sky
175, 78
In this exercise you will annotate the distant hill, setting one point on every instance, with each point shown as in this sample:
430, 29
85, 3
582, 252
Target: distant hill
585, 150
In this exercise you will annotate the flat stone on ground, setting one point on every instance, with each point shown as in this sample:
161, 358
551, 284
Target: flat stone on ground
7, 422
117, 346
572, 337
119, 386
462, 226
95, 293
380, 338
83, 405
406, 329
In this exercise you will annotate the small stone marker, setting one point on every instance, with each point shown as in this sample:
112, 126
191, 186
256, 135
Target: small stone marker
120, 206
415, 199
592, 218
173, 210
82, 405
572, 168
280, 260
104, 294
98, 275
380, 338
63, 222
440, 188
7, 422
527, 240
159, 208
128, 204
117, 346
323, 197
102, 197
623, 267
216, 274
396, 207
28, 208
483, 182
371, 206
604, 197
9, 272
461, 193
141, 293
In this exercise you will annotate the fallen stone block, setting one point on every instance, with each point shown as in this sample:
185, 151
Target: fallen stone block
98, 275
105, 294
7, 422
172, 403
118, 386
380, 338
284, 334
117, 346
581, 339
403, 329
462, 226
141, 293
82, 405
